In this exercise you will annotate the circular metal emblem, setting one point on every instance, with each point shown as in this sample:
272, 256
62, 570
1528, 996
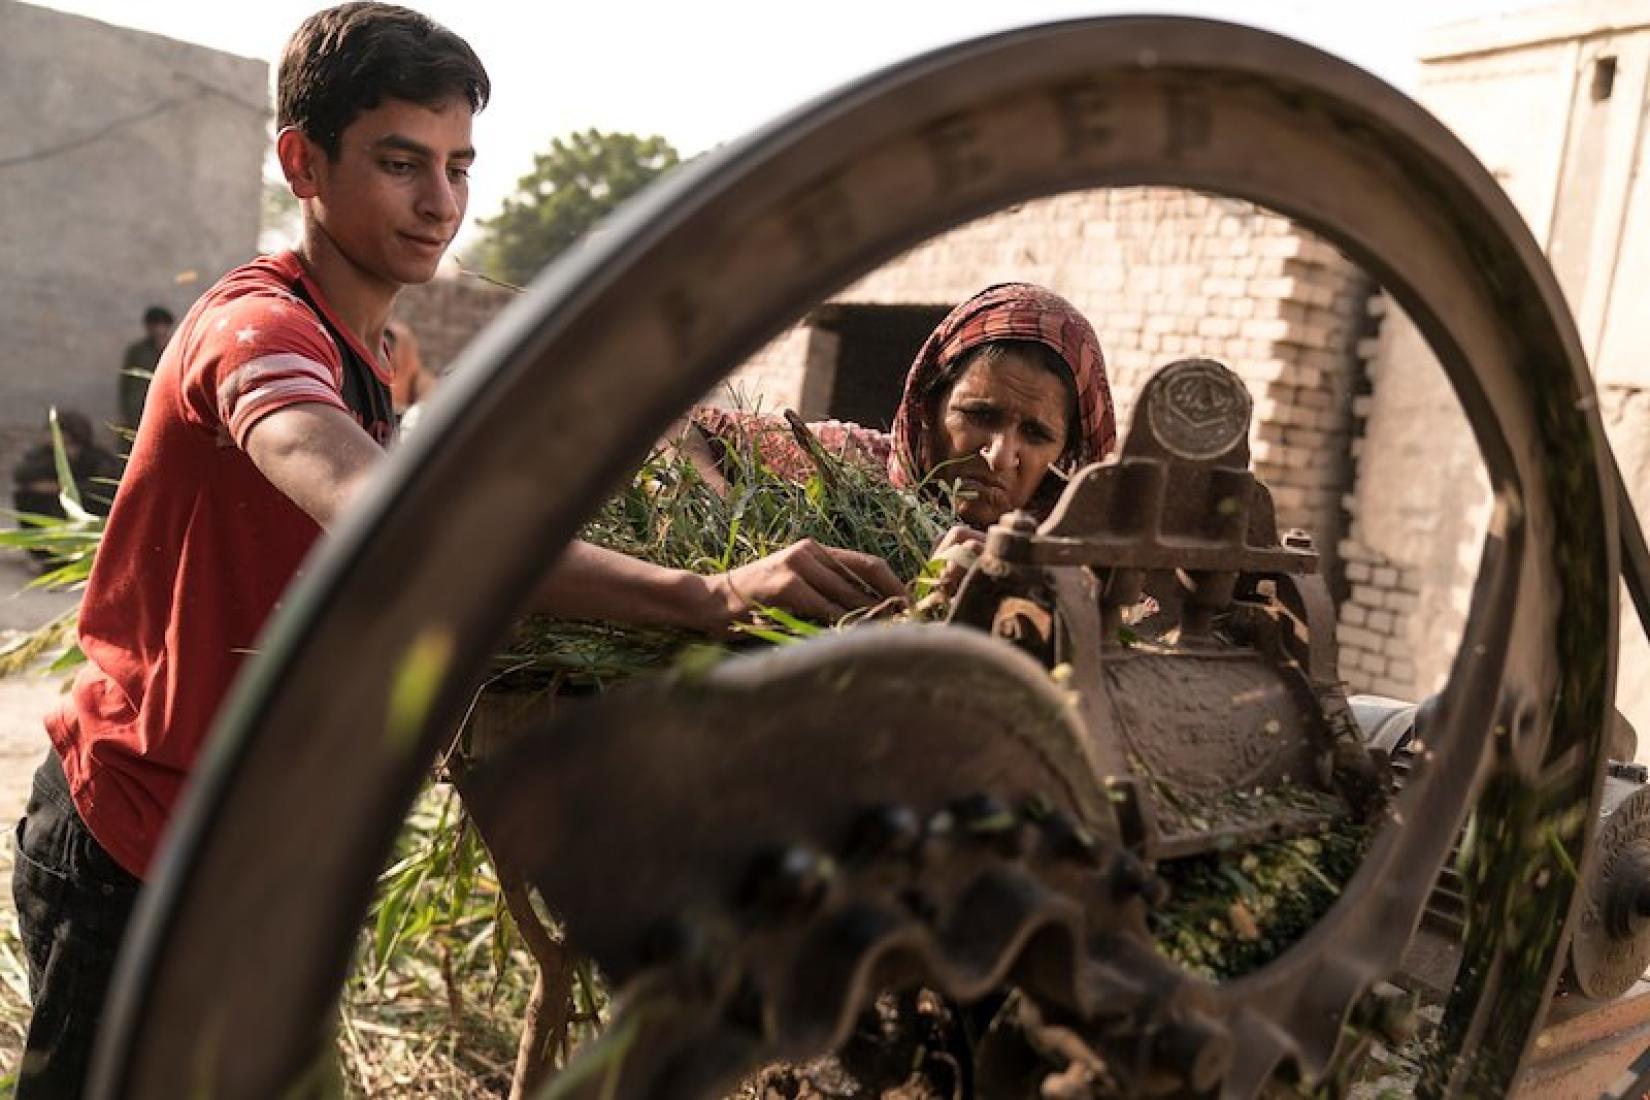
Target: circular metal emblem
1610, 947
1198, 409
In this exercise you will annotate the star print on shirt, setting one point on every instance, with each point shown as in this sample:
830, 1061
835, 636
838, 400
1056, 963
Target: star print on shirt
246, 335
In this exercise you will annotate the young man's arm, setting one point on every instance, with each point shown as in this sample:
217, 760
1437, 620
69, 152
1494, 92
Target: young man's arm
817, 582
319, 457
316, 454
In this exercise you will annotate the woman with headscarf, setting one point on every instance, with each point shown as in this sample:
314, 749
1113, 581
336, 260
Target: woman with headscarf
1007, 394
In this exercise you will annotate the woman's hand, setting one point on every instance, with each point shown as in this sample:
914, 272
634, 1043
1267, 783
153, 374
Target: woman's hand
821, 583
959, 549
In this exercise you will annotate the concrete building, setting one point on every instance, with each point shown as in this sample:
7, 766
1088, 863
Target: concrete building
1553, 101
131, 168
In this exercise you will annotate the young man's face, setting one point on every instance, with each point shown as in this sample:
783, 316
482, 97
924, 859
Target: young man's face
396, 195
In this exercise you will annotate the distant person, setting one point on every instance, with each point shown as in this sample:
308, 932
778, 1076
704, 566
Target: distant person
411, 381
138, 367
35, 487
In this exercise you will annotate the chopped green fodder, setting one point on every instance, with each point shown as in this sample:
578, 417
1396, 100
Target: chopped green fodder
1231, 912
669, 515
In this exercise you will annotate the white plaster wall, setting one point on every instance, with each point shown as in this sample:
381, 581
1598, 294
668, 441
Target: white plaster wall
130, 169
1519, 92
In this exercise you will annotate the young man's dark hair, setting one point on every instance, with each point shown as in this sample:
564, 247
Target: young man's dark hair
158, 315
349, 59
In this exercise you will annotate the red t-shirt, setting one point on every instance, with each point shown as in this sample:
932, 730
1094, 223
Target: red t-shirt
199, 546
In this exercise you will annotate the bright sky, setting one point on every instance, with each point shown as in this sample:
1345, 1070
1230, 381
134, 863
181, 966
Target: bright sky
708, 71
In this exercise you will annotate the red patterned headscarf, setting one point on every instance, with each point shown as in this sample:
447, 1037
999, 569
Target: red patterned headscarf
1007, 311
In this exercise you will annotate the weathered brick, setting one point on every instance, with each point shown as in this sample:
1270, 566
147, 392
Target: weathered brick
1265, 329
1368, 595
1350, 635
1353, 550
1405, 603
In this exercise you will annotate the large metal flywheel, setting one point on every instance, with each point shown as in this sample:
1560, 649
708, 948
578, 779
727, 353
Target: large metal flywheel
246, 931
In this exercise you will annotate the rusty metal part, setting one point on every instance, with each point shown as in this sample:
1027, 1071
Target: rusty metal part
1610, 948
1225, 704
620, 336
1120, 515
913, 718
936, 823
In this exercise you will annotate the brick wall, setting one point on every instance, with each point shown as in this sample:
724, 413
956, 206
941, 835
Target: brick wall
793, 371
446, 312
1163, 275
1418, 509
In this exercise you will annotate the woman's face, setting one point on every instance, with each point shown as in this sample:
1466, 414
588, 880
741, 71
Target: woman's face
1004, 423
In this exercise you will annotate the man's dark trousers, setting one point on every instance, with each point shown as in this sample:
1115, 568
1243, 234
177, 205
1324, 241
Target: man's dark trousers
73, 904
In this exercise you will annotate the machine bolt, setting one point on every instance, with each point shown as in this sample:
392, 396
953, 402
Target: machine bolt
1297, 538
890, 830
985, 817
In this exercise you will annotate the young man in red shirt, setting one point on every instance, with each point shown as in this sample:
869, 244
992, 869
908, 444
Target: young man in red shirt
268, 412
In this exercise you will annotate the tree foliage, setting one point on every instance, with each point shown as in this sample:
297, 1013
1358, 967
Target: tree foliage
571, 187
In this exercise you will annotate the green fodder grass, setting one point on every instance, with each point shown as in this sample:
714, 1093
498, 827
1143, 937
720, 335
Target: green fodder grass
14, 985
434, 1005
668, 514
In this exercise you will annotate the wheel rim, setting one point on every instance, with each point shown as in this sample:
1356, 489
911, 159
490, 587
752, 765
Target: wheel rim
306, 780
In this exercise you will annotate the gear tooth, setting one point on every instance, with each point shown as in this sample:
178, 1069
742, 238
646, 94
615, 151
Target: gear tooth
825, 981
